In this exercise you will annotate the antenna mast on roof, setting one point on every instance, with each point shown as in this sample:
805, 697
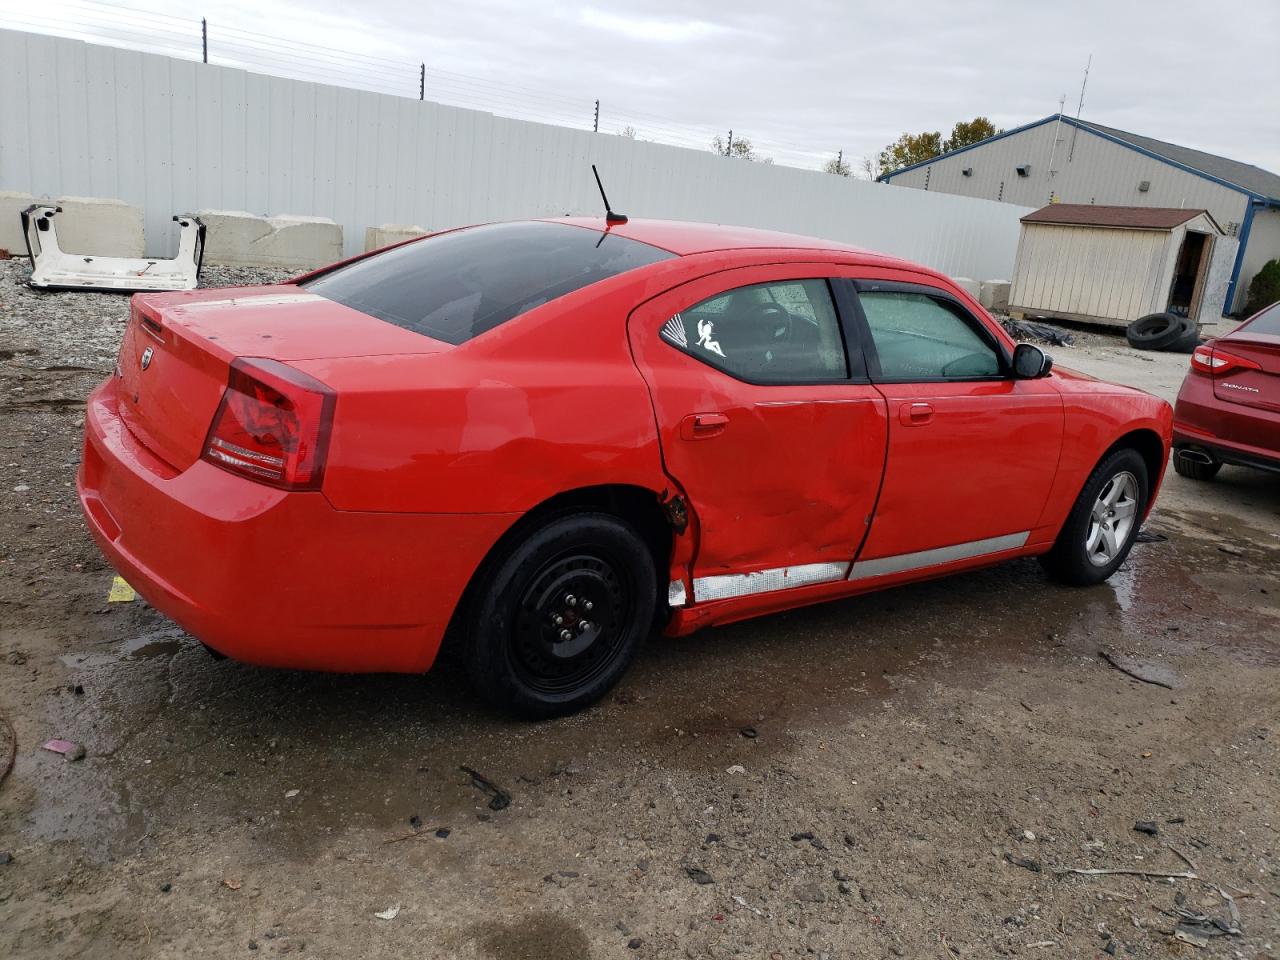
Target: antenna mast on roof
1079, 106
609, 215
1057, 136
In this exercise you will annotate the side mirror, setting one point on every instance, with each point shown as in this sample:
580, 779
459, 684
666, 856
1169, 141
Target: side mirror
1030, 362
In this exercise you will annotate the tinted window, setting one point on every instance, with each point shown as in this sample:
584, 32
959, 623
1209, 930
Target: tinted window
458, 285
1268, 321
784, 332
918, 337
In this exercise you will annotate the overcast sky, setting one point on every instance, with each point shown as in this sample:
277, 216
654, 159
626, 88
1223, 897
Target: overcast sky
805, 78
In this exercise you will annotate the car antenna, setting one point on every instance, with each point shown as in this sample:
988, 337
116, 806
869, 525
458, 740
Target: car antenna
609, 215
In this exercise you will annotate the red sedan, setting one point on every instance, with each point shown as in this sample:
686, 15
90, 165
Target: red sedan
536, 439
1228, 409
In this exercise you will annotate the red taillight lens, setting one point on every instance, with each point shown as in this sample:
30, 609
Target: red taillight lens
1213, 360
272, 425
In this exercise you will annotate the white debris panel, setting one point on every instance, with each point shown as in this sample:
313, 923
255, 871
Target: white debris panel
53, 268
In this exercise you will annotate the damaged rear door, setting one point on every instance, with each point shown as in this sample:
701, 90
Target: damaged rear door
767, 421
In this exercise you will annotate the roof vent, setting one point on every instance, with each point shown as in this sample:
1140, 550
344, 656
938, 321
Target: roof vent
967, 172
1144, 186
1024, 169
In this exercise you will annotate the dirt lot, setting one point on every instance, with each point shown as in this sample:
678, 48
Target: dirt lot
905, 774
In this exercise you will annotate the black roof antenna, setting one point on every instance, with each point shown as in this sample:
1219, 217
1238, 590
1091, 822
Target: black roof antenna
609, 215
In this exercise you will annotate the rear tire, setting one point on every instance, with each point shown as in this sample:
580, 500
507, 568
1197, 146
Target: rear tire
557, 620
1194, 470
1103, 523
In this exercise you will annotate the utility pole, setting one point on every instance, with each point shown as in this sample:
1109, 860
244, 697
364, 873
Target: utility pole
422, 81
595, 124
728, 150
204, 39
839, 160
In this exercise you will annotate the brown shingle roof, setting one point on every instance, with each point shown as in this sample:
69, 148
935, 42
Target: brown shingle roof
1094, 215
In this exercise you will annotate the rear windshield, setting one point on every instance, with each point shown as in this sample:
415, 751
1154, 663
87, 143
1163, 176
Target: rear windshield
458, 285
1268, 321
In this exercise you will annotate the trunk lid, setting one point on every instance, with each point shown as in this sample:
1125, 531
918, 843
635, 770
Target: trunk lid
1251, 388
177, 351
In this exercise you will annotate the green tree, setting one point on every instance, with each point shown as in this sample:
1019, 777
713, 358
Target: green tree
966, 132
837, 166
910, 148
1264, 288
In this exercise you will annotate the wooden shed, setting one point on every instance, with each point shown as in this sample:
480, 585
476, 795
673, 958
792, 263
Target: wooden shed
1115, 264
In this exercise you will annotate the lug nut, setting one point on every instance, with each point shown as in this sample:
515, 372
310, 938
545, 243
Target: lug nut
570, 600
584, 626
558, 620
566, 635
586, 605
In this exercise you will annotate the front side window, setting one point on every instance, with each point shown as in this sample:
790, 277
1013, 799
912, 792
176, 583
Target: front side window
918, 337
783, 332
458, 285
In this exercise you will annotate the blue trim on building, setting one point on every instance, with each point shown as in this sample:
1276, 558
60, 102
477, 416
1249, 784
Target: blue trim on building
1245, 226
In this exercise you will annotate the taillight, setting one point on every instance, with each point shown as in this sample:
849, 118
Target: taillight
1213, 360
272, 425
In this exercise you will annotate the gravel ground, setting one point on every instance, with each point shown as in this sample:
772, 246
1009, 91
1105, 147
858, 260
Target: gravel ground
63, 330
908, 774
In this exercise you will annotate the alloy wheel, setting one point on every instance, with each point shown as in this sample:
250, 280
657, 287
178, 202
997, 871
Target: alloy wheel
1112, 519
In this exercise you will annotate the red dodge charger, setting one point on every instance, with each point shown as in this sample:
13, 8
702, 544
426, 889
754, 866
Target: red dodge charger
537, 439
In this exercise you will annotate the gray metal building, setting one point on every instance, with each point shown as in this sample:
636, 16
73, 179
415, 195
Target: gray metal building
1061, 159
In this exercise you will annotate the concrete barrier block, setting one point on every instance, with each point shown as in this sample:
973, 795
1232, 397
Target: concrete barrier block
375, 238
238, 239
99, 226
994, 295
971, 287
88, 225
11, 206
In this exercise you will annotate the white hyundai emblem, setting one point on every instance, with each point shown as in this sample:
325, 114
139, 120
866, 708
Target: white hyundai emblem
146, 358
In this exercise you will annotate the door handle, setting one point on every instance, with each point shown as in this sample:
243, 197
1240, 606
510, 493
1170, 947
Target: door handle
915, 414
702, 426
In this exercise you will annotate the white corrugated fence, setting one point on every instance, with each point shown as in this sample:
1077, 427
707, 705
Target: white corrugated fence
173, 136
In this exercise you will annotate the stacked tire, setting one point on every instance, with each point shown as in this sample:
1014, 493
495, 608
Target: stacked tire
1163, 331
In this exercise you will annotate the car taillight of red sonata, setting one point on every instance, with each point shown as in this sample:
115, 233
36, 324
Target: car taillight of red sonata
546, 440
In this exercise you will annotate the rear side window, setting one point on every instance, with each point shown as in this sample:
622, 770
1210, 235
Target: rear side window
458, 285
784, 332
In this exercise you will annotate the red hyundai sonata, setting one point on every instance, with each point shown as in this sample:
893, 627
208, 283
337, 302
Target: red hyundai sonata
539, 438
1228, 409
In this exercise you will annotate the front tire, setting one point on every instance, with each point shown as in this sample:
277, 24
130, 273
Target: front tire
557, 621
1103, 523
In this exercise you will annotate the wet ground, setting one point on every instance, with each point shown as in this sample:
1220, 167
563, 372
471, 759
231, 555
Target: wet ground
905, 774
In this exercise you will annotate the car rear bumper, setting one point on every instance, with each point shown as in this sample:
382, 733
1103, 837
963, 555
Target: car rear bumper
271, 577
1239, 454
1203, 421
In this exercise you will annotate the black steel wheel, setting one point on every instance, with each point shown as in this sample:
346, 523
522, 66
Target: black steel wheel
558, 619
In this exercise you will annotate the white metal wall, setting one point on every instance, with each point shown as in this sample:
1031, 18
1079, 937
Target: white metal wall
173, 136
